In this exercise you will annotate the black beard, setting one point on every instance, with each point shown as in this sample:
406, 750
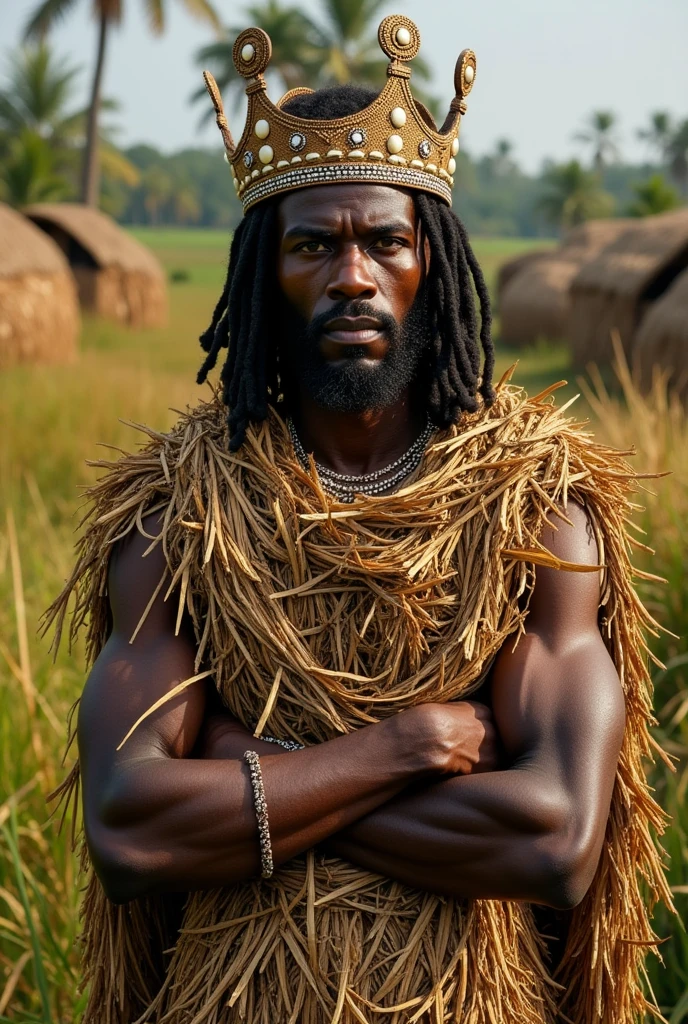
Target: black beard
355, 384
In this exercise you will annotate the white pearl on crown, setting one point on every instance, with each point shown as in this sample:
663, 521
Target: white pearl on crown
402, 36
262, 129
248, 52
265, 154
395, 144
451, 166
455, 147
469, 73
398, 117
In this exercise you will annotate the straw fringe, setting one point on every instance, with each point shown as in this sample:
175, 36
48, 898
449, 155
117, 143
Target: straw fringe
322, 618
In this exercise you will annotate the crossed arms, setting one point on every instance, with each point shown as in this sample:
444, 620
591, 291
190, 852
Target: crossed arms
510, 803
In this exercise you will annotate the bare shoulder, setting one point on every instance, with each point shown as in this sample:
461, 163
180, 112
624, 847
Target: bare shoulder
563, 599
138, 574
559, 679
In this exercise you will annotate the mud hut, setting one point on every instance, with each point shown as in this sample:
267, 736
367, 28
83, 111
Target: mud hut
117, 277
39, 310
662, 338
535, 301
617, 288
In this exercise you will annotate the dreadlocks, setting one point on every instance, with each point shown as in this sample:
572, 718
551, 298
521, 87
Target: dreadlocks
250, 376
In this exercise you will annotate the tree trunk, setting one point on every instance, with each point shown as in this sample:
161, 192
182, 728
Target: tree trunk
90, 180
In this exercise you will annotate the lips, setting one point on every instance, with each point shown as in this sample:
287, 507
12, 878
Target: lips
358, 330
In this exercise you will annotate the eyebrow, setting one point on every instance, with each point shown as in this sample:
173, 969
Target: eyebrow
325, 235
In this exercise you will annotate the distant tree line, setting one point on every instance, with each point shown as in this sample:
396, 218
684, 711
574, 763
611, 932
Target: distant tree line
48, 149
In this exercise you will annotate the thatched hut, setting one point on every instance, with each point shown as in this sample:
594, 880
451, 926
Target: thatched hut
117, 277
39, 310
535, 300
616, 289
662, 338
507, 271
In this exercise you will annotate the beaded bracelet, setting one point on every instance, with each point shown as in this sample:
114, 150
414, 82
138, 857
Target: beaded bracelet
259, 802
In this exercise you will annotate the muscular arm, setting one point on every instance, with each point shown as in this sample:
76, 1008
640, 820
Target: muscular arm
535, 830
159, 819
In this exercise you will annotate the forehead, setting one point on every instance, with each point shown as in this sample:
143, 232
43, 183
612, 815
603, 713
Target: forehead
332, 206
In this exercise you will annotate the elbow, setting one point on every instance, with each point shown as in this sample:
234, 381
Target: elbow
566, 869
118, 863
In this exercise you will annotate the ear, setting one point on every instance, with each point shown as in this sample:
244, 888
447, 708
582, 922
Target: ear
423, 250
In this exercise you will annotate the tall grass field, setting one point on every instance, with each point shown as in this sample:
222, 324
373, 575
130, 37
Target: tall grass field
51, 421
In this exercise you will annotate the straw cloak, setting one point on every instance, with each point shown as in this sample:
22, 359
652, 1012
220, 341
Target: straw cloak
316, 618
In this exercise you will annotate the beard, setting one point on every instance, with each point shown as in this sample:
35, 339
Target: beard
355, 383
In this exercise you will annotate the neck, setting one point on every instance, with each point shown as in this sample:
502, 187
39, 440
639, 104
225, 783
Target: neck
362, 442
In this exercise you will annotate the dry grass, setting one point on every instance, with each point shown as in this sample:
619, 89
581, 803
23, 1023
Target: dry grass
49, 421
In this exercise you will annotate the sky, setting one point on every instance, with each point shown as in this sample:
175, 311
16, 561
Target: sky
543, 66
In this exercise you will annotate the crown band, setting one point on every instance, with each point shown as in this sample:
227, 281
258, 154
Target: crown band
379, 174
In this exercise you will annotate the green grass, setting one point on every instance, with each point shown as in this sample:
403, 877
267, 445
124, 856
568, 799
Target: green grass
50, 421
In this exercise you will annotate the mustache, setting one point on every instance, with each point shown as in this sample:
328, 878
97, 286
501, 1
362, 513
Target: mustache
350, 308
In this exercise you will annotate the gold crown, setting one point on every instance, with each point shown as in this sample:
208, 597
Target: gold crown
393, 141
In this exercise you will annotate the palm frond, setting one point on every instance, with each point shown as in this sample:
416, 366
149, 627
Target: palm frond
45, 16
204, 11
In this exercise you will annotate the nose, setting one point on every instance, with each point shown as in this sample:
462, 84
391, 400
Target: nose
351, 277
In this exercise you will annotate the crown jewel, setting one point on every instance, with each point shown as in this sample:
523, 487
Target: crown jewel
393, 141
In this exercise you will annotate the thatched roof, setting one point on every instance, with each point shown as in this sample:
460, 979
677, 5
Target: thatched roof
634, 259
39, 311
538, 304
507, 271
98, 234
662, 338
535, 302
586, 240
614, 289
24, 249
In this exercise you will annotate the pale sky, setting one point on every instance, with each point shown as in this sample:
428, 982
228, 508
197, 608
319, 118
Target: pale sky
543, 65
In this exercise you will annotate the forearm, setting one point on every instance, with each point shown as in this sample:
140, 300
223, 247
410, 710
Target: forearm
502, 835
169, 824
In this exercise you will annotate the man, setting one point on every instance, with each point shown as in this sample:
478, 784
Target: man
341, 835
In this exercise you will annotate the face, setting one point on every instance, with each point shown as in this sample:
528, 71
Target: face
351, 268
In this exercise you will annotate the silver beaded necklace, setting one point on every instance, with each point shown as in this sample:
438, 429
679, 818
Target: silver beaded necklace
345, 487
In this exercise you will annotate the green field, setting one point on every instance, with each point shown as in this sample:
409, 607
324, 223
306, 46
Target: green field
50, 422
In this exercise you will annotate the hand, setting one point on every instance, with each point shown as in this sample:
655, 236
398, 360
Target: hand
458, 738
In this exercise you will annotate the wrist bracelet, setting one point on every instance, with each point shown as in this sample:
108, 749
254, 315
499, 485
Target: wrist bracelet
261, 808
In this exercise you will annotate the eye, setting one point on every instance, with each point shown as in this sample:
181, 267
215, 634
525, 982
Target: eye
311, 247
387, 242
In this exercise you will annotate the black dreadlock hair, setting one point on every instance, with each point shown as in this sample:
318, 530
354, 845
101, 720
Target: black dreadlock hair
244, 313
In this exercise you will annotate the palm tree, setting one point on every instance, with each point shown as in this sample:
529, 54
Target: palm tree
502, 161
677, 152
600, 134
28, 171
38, 95
107, 13
293, 43
36, 103
339, 47
573, 195
658, 134
347, 44
653, 196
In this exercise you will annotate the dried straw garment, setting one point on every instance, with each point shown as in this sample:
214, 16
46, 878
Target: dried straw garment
117, 277
39, 312
340, 615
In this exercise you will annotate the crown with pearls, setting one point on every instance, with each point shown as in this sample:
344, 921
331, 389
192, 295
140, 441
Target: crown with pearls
393, 141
